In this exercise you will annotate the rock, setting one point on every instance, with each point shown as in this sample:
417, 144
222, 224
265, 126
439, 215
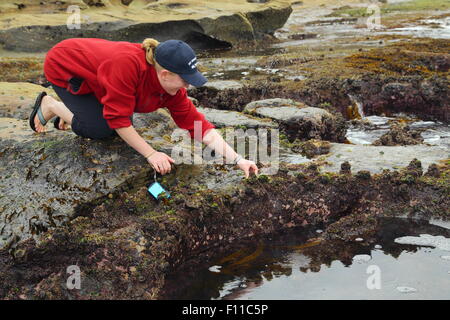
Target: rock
48, 177
8, 6
346, 168
438, 242
312, 148
414, 168
427, 99
433, 171
303, 36
394, 84
17, 98
203, 27
42, 38
225, 118
231, 28
192, 203
377, 158
254, 106
223, 84
53, 176
269, 19
399, 135
363, 175
98, 3
351, 227
298, 120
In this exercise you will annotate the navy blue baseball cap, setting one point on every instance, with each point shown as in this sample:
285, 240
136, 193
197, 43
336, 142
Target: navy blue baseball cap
178, 57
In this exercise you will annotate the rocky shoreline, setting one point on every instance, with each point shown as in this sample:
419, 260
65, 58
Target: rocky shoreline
213, 26
125, 245
68, 201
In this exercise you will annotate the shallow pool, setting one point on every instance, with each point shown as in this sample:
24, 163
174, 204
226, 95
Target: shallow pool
299, 265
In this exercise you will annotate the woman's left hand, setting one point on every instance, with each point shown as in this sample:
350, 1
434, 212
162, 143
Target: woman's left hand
247, 166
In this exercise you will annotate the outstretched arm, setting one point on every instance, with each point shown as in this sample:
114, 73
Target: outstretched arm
159, 160
215, 141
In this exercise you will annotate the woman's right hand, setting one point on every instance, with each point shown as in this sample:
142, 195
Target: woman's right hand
161, 162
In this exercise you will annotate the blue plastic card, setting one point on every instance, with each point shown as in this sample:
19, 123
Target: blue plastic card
157, 191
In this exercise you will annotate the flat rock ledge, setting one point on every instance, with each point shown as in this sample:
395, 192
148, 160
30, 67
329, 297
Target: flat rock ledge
47, 178
211, 25
225, 118
126, 246
297, 120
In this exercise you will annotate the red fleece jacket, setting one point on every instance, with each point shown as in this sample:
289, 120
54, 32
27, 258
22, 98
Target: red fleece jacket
117, 73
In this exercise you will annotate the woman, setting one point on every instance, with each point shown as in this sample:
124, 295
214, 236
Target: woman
102, 83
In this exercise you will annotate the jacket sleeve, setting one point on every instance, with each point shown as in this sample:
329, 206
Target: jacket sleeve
185, 115
119, 78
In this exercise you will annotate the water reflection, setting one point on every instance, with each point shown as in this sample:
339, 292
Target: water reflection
298, 265
371, 128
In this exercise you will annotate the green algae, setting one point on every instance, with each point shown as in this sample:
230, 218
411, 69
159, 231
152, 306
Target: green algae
48, 145
327, 177
409, 6
406, 56
170, 232
442, 181
21, 69
97, 238
363, 175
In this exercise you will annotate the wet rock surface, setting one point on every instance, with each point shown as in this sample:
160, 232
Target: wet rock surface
298, 120
312, 148
224, 118
399, 135
128, 241
49, 177
212, 26
377, 158
225, 84
17, 98
430, 95
85, 203
411, 97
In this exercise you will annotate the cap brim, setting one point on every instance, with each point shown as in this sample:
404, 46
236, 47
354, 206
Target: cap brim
196, 79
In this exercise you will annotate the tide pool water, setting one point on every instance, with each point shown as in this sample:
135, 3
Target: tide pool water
403, 259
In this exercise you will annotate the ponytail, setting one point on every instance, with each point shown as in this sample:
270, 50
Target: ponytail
149, 45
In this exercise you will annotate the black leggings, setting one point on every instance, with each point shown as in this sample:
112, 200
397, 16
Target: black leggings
87, 112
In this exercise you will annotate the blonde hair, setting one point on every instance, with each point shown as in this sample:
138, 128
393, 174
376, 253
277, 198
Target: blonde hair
149, 45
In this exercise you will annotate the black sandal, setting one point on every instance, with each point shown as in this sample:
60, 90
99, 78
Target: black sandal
37, 110
56, 123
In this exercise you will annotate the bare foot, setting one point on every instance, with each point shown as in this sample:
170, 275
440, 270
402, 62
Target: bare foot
62, 125
46, 112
